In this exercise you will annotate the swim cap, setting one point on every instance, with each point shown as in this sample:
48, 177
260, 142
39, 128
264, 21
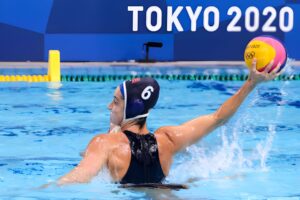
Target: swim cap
140, 95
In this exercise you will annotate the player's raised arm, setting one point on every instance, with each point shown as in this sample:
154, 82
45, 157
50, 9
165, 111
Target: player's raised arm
193, 130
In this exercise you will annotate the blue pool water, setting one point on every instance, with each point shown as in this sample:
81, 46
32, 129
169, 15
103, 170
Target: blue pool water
256, 155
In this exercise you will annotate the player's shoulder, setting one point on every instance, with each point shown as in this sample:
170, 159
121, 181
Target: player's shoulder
112, 138
164, 131
99, 141
164, 135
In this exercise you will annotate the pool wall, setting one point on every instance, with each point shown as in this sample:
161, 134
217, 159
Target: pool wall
104, 30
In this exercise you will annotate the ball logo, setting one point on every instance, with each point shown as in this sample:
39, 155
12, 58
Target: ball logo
253, 46
146, 94
250, 55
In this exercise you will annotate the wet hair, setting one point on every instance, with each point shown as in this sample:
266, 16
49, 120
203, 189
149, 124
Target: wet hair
141, 122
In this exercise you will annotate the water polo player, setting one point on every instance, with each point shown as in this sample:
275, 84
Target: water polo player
130, 152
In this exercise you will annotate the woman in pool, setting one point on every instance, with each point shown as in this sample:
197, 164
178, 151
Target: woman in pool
131, 154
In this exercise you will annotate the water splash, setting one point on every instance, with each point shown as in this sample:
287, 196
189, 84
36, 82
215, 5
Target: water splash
232, 156
103, 177
263, 148
288, 69
204, 163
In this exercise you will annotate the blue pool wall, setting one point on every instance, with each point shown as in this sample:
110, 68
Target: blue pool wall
101, 30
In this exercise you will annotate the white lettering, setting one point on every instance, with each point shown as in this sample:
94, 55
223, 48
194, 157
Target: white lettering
135, 12
149, 25
255, 25
289, 13
211, 18
216, 13
193, 16
172, 18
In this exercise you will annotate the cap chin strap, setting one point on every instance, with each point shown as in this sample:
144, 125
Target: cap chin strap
133, 118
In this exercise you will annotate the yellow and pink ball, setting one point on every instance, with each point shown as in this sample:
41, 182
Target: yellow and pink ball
265, 49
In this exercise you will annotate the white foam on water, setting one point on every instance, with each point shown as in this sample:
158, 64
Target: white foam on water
288, 69
263, 148
203, 163
230, 156
103, 176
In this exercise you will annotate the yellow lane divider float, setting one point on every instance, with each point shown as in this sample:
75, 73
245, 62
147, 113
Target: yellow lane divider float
52, 76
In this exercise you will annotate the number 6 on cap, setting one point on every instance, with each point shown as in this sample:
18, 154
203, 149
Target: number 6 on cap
147, 92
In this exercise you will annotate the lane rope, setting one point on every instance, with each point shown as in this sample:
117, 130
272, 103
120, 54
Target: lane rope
229, 77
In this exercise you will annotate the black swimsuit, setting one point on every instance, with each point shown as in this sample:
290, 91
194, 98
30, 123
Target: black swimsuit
144, 164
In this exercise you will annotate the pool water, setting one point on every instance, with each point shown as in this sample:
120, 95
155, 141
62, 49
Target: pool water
256, 155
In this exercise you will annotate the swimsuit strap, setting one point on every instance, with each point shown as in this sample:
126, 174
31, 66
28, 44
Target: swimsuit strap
144, 164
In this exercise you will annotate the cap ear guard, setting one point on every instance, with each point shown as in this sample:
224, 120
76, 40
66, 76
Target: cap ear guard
135, 107
140, 95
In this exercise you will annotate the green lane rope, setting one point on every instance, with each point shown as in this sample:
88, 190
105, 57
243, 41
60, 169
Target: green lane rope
229, 77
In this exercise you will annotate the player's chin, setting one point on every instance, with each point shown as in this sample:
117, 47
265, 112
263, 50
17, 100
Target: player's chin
114, 121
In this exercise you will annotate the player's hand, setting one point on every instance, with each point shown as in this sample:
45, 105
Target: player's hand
257, 77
